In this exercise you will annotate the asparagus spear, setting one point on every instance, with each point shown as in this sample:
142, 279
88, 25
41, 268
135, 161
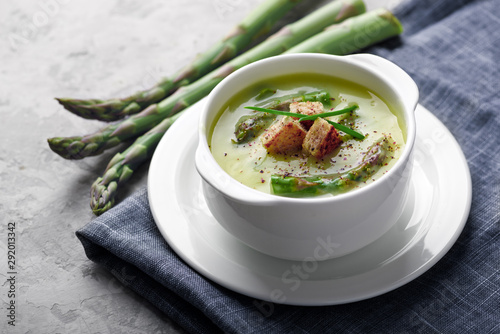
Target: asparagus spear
283, 102
382, 19
79, 147
122, 166
354, 34
249, 126
374, 158
257, 23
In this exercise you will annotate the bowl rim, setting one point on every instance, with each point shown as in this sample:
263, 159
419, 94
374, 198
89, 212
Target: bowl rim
242, 193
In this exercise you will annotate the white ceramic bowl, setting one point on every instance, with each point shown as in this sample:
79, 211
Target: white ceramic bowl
310, 228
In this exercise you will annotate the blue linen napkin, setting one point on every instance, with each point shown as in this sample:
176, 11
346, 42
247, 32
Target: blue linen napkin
451, 48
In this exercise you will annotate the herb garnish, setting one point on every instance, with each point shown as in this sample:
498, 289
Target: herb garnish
303, 117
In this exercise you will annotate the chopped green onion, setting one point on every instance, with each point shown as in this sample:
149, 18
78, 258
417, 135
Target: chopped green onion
347, 130
330, 113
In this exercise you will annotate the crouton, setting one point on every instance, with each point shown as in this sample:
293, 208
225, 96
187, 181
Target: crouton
284, 136
307, 108
321, 139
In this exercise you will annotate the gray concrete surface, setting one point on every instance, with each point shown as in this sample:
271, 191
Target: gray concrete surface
76, 48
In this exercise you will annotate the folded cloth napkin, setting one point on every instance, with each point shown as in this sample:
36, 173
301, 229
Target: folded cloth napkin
451, 48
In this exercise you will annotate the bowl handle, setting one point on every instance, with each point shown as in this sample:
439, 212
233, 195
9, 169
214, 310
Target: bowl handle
399, 78
217, 178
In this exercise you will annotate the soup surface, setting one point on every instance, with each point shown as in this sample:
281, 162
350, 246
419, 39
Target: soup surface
252, 164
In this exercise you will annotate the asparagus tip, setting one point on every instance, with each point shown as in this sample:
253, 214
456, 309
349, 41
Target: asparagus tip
102, 196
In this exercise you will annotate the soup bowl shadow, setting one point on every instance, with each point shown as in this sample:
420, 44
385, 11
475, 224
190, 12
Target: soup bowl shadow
303, 228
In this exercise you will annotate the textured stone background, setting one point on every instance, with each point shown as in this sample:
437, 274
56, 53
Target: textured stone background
76, 48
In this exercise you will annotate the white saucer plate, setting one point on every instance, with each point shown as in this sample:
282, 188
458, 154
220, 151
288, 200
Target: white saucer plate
435, 213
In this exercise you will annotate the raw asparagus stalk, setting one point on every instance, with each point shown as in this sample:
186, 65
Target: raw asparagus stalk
123, 165
372, 161
382, 19
290, 35
250, 126
354, 34
257, 23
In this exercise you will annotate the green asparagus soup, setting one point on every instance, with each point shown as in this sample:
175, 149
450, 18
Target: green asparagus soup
279, 136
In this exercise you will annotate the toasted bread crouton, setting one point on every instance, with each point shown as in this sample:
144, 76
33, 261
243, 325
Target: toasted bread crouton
307, 108
284, 136
321, 139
